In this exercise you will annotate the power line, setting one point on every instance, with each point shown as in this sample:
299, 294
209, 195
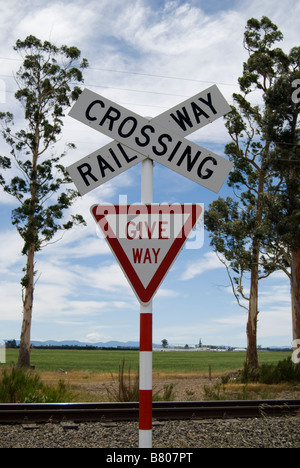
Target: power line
111, 70
13, 59
136, 90
160, 76
120, 89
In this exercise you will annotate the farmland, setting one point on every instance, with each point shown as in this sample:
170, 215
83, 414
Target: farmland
90, 373
107, 362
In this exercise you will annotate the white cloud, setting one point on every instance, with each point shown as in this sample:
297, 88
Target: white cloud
211, 332
97, 337
10, 301
235, 320
61, 22
105, 278
274, 294
166, 293
274, 318
209, 261
275, 322
10, 251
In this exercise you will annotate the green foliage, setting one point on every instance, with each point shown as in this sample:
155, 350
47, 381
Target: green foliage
239, 226
47, 86
18, 385
232, 234
275, 373
282, 129
215, 392
167, 395
47, 74
256, 230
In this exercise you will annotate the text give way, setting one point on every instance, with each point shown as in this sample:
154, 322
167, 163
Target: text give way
146, 239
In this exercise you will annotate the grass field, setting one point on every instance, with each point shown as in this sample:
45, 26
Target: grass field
171, 362
91, 375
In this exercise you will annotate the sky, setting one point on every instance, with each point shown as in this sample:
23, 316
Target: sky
147, 56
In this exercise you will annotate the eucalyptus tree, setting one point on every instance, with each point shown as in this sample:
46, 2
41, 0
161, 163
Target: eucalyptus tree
33, 173
282, 129
241, 228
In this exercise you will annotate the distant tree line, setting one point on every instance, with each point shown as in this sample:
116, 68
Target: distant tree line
12, 344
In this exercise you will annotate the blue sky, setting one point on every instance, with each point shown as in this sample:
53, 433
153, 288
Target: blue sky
147, 56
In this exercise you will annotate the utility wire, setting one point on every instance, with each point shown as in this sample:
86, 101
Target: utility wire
141, 74
159, 76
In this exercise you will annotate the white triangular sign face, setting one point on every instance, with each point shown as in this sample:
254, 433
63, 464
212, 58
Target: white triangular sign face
146, 239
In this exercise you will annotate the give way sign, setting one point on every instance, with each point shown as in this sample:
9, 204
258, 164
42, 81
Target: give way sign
146, 239
162, 139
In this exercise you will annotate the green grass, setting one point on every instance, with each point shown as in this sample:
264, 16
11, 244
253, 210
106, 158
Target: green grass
165, 362
22, 386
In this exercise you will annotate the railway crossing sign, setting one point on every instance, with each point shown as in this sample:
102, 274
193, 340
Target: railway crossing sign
162, 139
146, 240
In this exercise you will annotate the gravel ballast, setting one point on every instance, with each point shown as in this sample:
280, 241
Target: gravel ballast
264, 432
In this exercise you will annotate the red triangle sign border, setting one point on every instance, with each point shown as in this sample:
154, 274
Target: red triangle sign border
145, 294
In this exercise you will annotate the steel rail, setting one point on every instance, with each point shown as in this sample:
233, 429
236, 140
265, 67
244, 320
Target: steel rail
88, 412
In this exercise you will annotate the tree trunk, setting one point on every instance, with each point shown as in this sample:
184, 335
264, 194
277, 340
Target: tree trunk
252, 357
295, 292
24, 352
30, 247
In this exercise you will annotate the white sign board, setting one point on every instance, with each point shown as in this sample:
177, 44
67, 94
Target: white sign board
102, 165
195, 113
155, 141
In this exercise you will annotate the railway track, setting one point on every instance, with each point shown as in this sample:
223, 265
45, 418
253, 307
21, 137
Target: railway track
88, 412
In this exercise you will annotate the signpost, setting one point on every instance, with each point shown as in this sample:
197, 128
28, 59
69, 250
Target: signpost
147, 238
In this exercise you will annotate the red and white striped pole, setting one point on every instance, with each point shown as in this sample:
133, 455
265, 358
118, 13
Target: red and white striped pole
145, 407
146, 326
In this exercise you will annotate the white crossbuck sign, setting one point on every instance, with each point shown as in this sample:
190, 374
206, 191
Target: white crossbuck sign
161, 139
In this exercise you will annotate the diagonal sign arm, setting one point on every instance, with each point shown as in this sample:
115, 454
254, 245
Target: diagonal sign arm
194, 113
102, 165
142, 138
